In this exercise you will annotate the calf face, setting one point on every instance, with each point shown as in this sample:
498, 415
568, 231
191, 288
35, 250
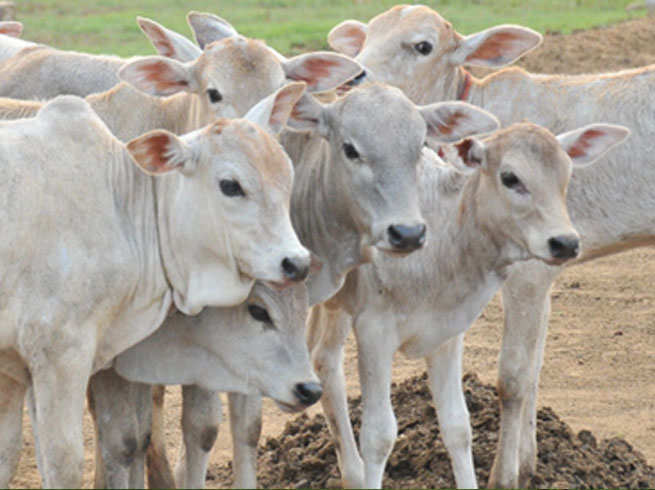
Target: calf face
522, 185
266, 346
233, 195
417, 50
376, 136
232, 73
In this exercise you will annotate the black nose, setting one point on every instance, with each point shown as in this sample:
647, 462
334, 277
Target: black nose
295, 269
564, 246
308, 393
406, 238
358, 79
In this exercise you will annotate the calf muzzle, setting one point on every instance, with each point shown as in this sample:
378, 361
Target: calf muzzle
406, 238
564, 247
308, 393
295, 269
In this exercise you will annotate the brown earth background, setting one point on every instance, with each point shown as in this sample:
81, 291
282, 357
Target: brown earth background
599, 370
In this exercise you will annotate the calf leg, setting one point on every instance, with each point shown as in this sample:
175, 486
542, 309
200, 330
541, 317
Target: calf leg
246, 427
376, 346
445, 371
526, 302
59, 381
327, 334
159, 470
201, 416
12, 394
117, 406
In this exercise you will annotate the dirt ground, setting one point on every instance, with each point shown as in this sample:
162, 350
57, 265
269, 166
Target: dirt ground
598, 372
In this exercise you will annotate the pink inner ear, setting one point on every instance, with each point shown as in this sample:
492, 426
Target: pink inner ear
159, 39
463, 150
281, 107
450, 123
579, 149
494, 47
353, 36
315, 69
160, 75
150, 152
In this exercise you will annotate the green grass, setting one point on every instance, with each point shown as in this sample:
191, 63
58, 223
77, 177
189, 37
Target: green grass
291, 26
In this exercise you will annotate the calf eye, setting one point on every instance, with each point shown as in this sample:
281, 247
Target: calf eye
350, 151
511, 181
231, 188
424, 47
214, 95
259, 314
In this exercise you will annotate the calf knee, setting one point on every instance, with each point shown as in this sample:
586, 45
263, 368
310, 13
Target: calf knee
128, 450
456, 434
512, 387
208, 438
377, 440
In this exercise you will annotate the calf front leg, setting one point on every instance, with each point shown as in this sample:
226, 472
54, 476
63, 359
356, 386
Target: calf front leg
59, 380
526, 302
246, 427
12, 394
327, 334
445, 372
375, 349
120, 408
158, 466
201, 416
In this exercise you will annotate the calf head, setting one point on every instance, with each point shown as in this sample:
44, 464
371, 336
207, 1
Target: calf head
224, 211
231, 73
264, 346
376, 136
523, 173
415, 49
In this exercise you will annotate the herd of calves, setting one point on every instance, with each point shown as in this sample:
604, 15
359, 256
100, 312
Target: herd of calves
201, 218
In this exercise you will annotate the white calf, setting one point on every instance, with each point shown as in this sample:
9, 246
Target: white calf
96, 252
258, 347
511, 208
611, 207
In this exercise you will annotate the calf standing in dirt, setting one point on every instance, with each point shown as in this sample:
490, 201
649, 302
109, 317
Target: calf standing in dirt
611, 206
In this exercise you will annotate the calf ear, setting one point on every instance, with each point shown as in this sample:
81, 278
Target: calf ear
168, 43
208, 28
11, 28
158, 152
306, 115
495, 47
587, 144
273, 112
348, 37
452, 121
155, 75
467, 156
321, 70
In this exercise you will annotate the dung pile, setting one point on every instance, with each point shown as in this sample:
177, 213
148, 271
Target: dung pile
303, 455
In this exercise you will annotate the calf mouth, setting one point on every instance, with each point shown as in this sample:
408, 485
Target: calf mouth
290, 408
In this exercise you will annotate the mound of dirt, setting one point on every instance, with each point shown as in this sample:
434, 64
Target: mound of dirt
303, 455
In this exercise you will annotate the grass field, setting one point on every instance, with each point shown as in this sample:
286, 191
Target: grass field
291, 26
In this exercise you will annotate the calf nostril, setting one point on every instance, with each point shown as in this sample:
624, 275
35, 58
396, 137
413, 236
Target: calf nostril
394, 236
294, 270
564, 246
308, 393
